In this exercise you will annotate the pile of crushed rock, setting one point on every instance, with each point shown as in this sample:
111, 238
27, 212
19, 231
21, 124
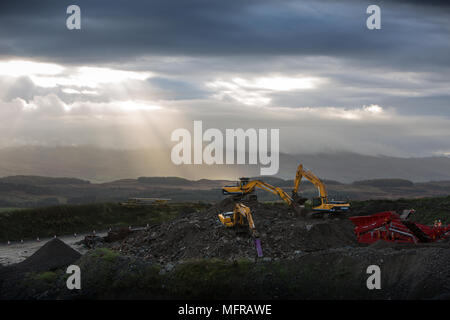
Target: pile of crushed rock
54, 255
283, 235
51, 256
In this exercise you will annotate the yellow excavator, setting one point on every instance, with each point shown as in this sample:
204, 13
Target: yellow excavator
321, 203
246, 187
237, 217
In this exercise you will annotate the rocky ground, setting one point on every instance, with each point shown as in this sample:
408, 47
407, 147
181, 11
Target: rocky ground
195, 256
200, 235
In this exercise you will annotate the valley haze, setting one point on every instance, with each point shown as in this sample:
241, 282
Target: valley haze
104, 165
84, 175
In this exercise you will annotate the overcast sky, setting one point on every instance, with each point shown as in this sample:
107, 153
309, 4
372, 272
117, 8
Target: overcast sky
137, 70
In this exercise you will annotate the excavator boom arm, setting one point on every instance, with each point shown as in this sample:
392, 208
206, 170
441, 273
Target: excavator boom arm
244, 211
311, 177
250, 186
275, 190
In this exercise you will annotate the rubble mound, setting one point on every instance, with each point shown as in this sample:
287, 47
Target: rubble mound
53, 255
116, 235
382, 244
283, 235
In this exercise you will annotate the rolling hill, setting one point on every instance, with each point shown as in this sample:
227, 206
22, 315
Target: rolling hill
102, 165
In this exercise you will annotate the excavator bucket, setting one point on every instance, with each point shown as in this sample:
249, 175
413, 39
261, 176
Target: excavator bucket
298, 199
298, 209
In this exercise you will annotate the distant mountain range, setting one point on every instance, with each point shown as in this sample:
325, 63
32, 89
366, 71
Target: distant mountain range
102, 165
38, 191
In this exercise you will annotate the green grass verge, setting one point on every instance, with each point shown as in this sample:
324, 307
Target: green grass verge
67, 219
107, 275
427, 209
9, 209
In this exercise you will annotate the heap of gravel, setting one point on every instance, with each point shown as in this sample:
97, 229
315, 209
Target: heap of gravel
55, 254
52, 255
283, 234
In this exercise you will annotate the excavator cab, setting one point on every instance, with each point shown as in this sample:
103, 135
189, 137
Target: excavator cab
238, 192
227, 219
317, 201
243, 181
237, 188
228, 214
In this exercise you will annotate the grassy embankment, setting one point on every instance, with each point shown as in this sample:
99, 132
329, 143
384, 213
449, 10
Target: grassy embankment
427, 209
107, 275
9, 209
67, 219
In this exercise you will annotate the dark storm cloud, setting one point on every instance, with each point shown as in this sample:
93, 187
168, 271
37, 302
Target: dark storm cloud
383, 91
432, 3
121, 30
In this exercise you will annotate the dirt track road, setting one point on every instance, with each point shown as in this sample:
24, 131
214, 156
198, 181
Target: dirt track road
17, 252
